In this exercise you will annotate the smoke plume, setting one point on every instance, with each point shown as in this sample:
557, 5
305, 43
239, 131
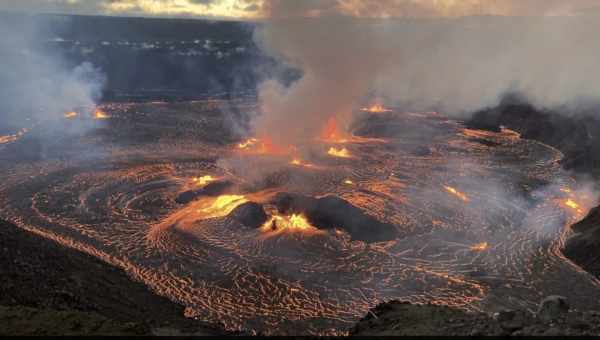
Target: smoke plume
438, 61
39, 84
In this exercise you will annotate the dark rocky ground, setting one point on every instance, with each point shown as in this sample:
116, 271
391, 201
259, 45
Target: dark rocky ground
573, 132
584, 246
405, 319
47, 289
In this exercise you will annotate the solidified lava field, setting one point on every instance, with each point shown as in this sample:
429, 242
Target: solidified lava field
412, 206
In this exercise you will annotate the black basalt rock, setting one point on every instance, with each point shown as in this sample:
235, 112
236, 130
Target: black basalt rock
211, 190
250, 215
333, 212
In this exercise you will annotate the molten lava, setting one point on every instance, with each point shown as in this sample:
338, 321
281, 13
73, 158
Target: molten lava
222, 206
264, 146
291, 223
574, 205
70, 115
299, 162
12, 138
332, 133
349, 182
204, 180
456, 193
99, 114
375, 108
248, 143
480, 246
343, 152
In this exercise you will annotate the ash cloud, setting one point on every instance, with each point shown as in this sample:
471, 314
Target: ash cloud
447, 63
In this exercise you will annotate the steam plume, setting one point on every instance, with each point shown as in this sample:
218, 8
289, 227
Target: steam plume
451, 64
37, 83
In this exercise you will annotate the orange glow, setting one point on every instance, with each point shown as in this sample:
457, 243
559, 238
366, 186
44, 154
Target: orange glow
573, 205
12, 138
99, 114
480, 246
203, 180
299, 162
332, 133
343, 152
375, 108
456, 193
222, 206
70, 115
7, 139
349, 182
248, 143
264, 146
510, 133
294, 222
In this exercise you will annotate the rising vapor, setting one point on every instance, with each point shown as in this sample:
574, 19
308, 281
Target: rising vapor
437, 59
37, 83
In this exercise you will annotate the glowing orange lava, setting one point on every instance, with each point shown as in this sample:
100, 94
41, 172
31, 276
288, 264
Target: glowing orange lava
99, 114
264, 145
7, 139
573, 205
510, 133
222, 206
480, 246
343, 152
12, 138
375, 108
299, 162
70, 115
248, 143
332, 133
349, 182
201, 181
456, 193
294, 222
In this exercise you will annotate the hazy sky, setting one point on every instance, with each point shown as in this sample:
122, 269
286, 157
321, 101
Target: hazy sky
252, 9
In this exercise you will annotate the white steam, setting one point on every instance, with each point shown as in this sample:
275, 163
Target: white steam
453, 65
37, 82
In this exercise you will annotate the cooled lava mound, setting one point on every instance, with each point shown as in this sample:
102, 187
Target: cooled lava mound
333, 212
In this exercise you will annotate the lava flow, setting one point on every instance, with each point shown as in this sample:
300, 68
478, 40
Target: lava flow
99, 114
375, 108
71, 114
342, 152
222, 206
456, 193
203, 180
254, 240
290, 223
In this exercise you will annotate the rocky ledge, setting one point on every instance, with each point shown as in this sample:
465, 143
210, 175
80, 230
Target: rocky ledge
553, 317
47, 289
